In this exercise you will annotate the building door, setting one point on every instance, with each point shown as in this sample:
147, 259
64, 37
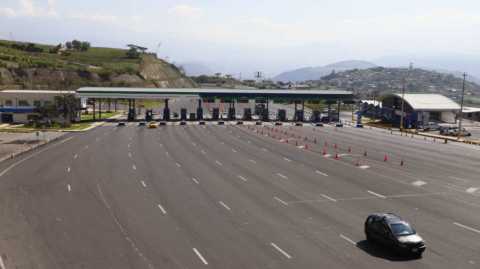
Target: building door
7, 118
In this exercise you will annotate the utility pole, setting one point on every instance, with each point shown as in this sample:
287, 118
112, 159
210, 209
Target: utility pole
374, 98
403, 97
461, 107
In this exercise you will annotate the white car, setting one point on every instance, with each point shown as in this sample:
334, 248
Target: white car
325, 110
431, 126
464, 132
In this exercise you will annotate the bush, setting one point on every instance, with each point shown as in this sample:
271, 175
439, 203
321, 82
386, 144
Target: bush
68, 125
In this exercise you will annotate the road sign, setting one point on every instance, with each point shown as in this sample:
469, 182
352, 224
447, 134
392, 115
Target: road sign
38, 133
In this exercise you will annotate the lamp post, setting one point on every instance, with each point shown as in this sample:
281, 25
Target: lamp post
461, 107
403, 97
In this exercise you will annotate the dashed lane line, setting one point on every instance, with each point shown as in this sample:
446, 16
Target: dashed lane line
466, 227
280, 175
376, 194
200, 256
418, 183
242, 178
69, 189
288, 160
86, 146
234, 150
264, 149
75, 156
134, 168
280, 201
143, 183
195, 180
218, 162
163, 210
351, 241
178, 165
69, 169
329, 198
225, 205
323, 174
281, 251
464, 180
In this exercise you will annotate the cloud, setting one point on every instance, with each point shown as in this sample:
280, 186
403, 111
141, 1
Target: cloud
263, 22
136, 18
186, 12
27, 9
98, 17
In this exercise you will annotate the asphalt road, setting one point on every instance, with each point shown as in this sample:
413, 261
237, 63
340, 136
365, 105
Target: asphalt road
217, 196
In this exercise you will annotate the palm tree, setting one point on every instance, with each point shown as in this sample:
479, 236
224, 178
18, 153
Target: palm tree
67, 102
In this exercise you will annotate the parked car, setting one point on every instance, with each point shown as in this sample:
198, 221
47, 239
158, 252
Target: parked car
325, 110
454, 132
445, 130
175, 114
394, 233
431, 126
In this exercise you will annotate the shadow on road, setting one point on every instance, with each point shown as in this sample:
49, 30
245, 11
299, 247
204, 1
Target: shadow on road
381, 252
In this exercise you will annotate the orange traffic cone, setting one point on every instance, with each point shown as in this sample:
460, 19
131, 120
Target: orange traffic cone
314, 128
401, 162
305, 138
31, 148
306, 146
315, 141
268, 134
281, 132
365, 153
385, 158
349, 149
434, 139
293, 135
257, 130
358, 161
326, 144
22, 151
296, 143
276, 130
324, 152
287, 140
279, 138
336, 156
38, 146
425, 138
299, 136
262, 131
335, 129
273, 136
335, 145
286, 133
290, 127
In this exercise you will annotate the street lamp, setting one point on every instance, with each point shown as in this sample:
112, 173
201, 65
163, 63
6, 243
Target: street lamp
461, 107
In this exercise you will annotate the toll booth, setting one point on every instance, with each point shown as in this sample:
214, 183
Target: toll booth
200, 113
247, 114
131, 114
166, 114
259, 109
334, 116
264, 115
231, 113
215, 113
149, 115
299, 116
183, 114
282, 114
315, 116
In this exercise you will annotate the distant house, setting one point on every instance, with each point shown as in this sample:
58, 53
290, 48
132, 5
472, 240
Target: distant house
471, 113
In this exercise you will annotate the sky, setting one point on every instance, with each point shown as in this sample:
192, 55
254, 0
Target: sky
248, 36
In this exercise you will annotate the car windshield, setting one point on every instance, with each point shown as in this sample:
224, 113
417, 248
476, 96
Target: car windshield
402, 229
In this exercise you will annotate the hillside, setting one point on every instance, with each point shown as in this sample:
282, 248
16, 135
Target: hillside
391, 80
310, 73
34, 66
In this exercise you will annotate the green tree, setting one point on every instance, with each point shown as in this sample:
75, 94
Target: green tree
85, 46
76, 44
132, 53
68, 45
47, 113
218, 74
68, 103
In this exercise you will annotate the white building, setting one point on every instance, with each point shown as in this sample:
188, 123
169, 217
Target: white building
17, 106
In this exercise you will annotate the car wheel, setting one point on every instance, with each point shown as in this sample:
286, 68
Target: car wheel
427, 129
370, 238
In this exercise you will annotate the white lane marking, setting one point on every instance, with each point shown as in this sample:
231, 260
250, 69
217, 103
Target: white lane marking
466, 227
129, 155
218, 162
234, 150
264, 149
86, 147
134, 168
327, 155
195, 180
213, 136
279, 249
329, 198
130, 138
143, 183
193, 144
301, 147
178, 165
200, 256
69, 189
459, 179
75, 156
167, 153
351, 241
419, 183
98, 138
376, 194
163, 210
230, 131
106, 133
282, 176
238, 136
69, 169
430, 163
287, 160
114, 128
224, 205
364, 166
472, 190
253, 161
280, 201
242, 178
128, 145
2, 266
249, 142
202, 151
161, 145
222, 143
188, 137
323, 174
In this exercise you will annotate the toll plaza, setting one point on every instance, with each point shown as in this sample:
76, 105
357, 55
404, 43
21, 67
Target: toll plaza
231, 97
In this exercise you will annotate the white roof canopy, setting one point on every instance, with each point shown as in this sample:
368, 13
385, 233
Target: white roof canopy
427, 102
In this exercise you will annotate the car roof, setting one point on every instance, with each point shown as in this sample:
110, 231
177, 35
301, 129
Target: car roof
388, 217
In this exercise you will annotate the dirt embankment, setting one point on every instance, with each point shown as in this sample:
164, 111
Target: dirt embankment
154, 73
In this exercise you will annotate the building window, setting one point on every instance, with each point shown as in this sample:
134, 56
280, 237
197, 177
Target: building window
47, 103
8, 103
22, 103
37, 103
469, 115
